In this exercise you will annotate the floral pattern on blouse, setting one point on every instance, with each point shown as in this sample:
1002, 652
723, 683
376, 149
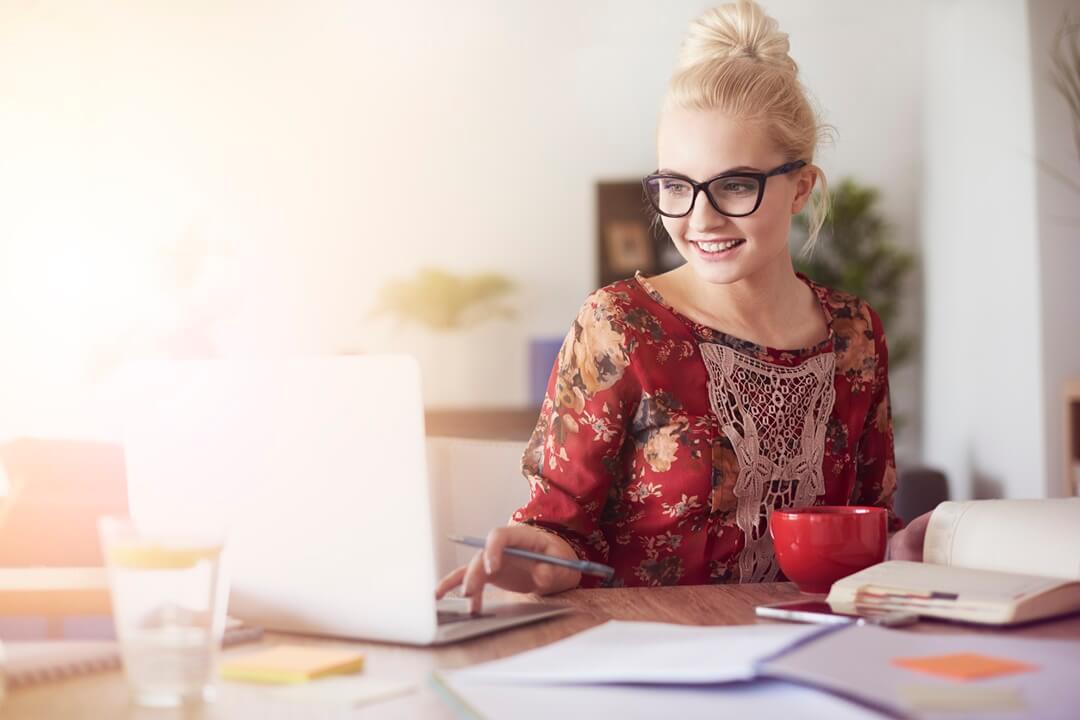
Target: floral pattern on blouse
629, 463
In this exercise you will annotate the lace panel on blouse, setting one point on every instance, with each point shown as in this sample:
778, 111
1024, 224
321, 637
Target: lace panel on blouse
775, 417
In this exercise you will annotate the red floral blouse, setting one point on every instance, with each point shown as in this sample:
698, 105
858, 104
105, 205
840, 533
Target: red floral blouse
663, 445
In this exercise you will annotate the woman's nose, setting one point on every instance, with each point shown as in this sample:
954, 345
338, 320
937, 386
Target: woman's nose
704, 215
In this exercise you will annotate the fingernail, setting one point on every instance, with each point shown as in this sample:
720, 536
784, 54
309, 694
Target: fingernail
487, 564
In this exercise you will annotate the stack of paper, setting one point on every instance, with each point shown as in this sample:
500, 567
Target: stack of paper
645, 652
644, 670
760, 699
647, 670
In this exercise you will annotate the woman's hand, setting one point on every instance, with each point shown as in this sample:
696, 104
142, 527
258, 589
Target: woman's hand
907, 544
511, 573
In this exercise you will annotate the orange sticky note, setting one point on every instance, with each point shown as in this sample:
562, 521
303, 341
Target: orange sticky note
292, 664
964, 666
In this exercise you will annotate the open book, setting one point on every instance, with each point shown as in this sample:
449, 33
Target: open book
995, 562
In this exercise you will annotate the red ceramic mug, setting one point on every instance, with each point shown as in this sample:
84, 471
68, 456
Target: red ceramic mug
816, 546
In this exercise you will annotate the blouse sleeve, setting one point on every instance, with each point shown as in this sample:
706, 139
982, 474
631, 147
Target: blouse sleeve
574, 453
876, 471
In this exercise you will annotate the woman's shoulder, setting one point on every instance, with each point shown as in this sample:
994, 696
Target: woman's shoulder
848, 312
858, 336
627, 291
623, 304
601, 343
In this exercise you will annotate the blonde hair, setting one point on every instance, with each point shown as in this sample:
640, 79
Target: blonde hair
735, 59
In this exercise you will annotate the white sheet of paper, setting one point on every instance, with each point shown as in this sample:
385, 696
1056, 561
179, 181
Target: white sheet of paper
759, 699
643, 652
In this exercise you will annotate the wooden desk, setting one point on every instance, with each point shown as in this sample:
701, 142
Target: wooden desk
104, 695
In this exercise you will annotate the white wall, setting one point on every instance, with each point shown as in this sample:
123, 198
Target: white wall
999, 229
1058, 190
987, 252
319, 148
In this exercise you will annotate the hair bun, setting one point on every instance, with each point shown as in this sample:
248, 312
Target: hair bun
736, 30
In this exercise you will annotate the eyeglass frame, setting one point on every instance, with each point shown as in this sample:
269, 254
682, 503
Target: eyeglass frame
704, 187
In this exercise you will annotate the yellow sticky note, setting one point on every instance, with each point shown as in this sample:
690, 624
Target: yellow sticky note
292, 664
964, 666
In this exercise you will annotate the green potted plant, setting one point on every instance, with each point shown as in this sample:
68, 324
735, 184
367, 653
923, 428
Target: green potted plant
444, 301
855, 254
455, 326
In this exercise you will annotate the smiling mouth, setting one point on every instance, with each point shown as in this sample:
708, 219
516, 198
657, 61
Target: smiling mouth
719, 246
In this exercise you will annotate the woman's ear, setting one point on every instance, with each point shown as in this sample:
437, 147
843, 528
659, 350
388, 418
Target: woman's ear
804, 183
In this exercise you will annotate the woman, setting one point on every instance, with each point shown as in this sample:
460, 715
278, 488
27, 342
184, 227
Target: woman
683, 408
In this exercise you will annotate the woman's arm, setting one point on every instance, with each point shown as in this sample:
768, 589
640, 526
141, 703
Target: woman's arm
907, 544
570, 461
875, 472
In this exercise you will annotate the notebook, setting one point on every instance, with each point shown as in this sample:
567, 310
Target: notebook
917, 674
993, 562
26, 663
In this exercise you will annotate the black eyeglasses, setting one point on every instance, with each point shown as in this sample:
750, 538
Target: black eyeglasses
735, 194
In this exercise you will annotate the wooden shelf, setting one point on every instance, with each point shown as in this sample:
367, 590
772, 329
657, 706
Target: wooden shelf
509, 423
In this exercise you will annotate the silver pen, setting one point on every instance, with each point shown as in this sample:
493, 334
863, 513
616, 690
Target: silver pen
584, 566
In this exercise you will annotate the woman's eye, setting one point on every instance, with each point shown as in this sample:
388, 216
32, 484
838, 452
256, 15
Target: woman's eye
675, 188
736, 188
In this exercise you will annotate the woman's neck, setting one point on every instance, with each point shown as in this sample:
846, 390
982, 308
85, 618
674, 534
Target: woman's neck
773, 307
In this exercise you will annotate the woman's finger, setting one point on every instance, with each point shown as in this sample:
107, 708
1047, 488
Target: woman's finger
473, 586
450, 582
496, 541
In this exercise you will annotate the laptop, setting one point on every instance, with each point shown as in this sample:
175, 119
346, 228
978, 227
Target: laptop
315, 467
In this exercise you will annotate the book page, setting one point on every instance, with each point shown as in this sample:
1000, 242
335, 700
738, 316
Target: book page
935, 583
1033, 537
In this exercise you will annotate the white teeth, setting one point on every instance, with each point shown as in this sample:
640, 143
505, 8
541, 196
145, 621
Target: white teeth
717, 247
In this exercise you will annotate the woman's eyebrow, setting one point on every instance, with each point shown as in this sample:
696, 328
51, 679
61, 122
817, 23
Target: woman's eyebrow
741, 168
